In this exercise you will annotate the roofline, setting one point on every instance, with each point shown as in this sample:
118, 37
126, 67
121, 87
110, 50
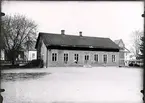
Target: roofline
72, 35
37, 41
115, 43
82, 48
79, 46
74, 45
127, 50
32, 50
116, 40
122, 42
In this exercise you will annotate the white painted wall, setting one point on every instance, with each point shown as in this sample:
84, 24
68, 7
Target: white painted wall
2, 55
60, 58
32, 55
44, 53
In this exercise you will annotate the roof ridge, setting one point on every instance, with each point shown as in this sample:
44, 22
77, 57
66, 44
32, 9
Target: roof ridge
73, 35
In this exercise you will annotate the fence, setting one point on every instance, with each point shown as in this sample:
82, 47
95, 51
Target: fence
7, 62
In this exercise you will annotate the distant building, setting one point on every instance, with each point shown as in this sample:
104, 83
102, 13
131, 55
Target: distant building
70, 50
31, 54
123, 52
23, 55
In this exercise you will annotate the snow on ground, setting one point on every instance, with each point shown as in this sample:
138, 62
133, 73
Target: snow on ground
76, 85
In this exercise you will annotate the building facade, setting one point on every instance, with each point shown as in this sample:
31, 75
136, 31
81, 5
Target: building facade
32, 55
58, 50
123, 52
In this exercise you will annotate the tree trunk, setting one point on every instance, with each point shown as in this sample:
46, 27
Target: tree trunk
13, 58
13, 61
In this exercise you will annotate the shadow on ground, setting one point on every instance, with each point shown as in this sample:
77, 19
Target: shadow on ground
22, 76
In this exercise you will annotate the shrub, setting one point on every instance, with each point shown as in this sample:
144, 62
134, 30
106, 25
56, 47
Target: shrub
34, 63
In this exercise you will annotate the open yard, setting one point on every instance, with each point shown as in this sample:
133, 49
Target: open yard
73, 85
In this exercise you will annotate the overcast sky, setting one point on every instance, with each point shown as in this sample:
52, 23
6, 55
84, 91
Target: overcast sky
116, 20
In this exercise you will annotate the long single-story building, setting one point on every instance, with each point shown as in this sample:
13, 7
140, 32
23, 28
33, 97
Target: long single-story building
57, 50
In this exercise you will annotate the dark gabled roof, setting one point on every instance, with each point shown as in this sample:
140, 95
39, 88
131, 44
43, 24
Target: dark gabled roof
117, 41
76, 41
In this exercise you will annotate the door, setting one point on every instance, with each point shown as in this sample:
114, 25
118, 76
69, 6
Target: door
86, 59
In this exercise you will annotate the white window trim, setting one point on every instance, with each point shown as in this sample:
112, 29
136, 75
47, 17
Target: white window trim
75, 60
63, 57
52, 57
76, 56
103, 58
87, 55
115, 58
56, 57
98, 57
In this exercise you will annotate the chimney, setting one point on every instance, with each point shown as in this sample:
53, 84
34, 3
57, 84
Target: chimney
80, 33
62, 32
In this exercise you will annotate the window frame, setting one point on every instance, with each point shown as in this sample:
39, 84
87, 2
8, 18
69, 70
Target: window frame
105, 55
86, 57
96, 57
113, 58
54, 57
65, 57
76, 57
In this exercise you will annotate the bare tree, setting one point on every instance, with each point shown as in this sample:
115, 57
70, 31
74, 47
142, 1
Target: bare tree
18, 34
142, 47
136, 42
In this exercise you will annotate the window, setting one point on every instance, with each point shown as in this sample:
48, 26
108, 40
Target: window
96, 57
113, 58
33, 55
65, 57
76, 57
54, 56
86, 57
105, 58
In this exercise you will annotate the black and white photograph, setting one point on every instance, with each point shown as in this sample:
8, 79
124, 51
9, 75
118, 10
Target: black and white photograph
72, 51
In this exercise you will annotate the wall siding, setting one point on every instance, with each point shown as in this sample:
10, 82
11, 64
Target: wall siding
122, 58
44, 53
30, 53
81, 61
39, 49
